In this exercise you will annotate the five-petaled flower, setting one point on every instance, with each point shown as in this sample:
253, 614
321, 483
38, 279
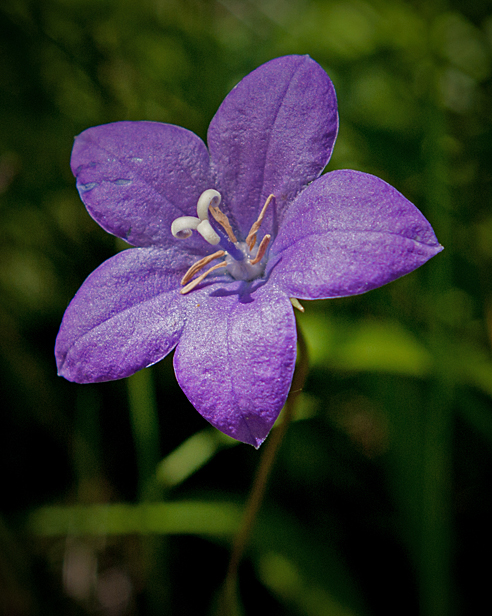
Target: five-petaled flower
224, 237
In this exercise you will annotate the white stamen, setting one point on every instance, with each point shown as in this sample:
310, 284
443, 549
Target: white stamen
182, 227
205, 229
208, 198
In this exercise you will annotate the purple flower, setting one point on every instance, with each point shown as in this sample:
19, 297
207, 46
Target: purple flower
217, 257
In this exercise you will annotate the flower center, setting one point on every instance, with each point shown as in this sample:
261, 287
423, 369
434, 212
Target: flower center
242, 260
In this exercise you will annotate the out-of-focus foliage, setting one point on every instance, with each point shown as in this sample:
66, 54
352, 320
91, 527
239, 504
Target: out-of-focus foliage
117, 499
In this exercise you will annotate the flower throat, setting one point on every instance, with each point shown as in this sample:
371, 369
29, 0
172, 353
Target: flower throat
242, 260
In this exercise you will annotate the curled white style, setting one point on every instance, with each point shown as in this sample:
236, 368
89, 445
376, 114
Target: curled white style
183, 226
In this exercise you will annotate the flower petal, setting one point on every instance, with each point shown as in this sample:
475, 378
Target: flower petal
127, 315
348, 233
236, 356
274, 133
135, 178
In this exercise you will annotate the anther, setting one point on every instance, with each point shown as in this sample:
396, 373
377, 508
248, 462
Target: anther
262, 248
189, 287
223, 221
251, 238
196, 267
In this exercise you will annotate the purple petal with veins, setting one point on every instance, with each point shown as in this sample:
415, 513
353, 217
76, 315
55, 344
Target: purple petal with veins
348, 233
238, 351
135, 178
274, 133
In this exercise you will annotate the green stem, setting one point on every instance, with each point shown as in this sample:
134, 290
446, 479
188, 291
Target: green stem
145, 425
229, 603
436, 587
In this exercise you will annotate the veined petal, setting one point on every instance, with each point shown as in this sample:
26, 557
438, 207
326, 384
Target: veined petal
348, 233
274, 133
127, 315
135, 178
236, 356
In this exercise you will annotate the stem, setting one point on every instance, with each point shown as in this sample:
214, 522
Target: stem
435, 566
229, 602
145, 426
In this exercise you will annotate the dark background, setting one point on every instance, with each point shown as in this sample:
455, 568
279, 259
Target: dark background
380, 499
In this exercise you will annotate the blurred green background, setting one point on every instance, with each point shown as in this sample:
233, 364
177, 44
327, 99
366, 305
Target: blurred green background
118, 499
